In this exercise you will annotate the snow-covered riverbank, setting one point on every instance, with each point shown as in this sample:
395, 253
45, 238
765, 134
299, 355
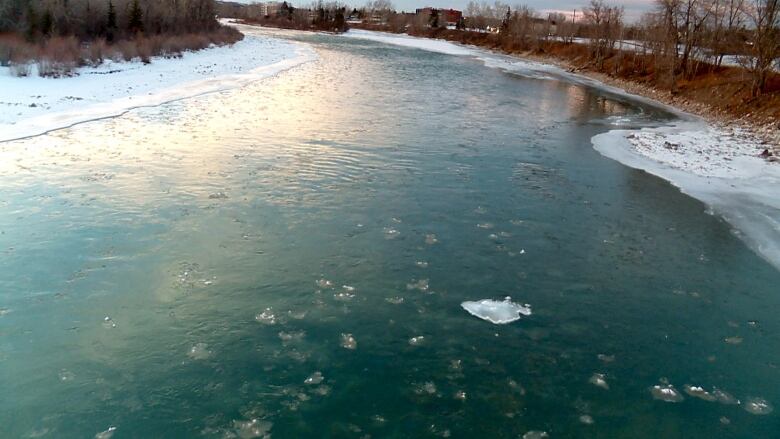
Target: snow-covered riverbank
33, 105
718, 165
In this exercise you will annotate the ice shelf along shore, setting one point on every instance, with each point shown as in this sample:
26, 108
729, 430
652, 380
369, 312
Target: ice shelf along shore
33, 105
719, 166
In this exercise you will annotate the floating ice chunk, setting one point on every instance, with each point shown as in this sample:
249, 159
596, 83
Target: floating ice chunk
598, 380
252, 428
430, 239
586, 419
344, 296
733, 340
292, 336
4, 311
266, 317
322, 390
218, 196
108, 322
699, 392
200, 352
485, 225
324, 283
348, 341
427, 388
535, 434
724, 397
391, 233
497, 312
417, 341
606, 358
758, 406
421, 285
666, 392
397, 300
314, 378
107, 434
421, 264
297, 315
460, 395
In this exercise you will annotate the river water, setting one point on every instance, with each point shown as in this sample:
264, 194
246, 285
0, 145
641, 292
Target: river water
288, 259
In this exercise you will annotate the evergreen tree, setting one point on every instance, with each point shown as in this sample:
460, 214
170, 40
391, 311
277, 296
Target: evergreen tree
32, 23
47, 23
111, 22
135, 21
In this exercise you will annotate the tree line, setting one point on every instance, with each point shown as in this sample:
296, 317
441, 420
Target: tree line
673, 42
319, 15
60, 35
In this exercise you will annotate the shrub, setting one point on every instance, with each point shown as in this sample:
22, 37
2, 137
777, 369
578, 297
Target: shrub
95, 52
59, 57
20, 69
15, 49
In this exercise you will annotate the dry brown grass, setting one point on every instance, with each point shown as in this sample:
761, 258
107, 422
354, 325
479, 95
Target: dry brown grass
60, 56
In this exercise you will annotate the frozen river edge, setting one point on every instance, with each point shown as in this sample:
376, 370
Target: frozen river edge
33, 106
718, 166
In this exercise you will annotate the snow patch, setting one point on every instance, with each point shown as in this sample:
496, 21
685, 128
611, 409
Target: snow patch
497, 312
32, 106
717, 166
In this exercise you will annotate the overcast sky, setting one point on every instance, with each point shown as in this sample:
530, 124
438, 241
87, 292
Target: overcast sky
633, 8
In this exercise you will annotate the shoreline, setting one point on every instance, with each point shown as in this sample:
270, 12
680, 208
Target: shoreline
34, 106
765, 133
717, 164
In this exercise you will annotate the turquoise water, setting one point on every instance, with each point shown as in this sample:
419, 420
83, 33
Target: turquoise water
359, 200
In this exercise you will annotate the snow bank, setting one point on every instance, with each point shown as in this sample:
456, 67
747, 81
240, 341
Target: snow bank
497, 312
428, 44
32, 106
719, 166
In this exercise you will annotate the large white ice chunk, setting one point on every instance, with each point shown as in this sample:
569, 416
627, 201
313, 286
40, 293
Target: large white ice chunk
498, 312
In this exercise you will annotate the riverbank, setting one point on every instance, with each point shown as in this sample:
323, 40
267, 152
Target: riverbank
720, 96
717, 161
33, 105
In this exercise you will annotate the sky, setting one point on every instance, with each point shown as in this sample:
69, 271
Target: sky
633, 8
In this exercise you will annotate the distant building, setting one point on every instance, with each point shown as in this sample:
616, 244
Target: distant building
446, 17
270, 9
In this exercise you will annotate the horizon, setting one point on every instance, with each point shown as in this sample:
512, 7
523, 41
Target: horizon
633, 9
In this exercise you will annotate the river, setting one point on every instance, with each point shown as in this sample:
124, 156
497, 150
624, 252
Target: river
289, 259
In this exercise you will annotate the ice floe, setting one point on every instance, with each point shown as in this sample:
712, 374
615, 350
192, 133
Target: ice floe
699, 392
666, 392
497, 312
106, 434
266, 317
200, 351
421, 284
252, 428
348, 341
536, 434
417, 341
724, 397
758, 406
314, 378
598, 380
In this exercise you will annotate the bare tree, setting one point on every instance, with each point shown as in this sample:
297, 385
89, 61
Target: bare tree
764, 42
604, 23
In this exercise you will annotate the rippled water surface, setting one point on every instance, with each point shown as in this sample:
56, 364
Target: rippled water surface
289, 259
